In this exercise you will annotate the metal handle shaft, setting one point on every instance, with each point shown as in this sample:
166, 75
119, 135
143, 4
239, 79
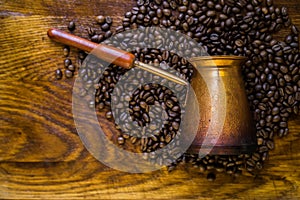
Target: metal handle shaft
110, 54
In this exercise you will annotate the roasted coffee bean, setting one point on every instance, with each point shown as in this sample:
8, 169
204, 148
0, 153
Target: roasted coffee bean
67, 62
133, 140
100, 19
239, 43
211, 176
71, 26
105, 27
66, 51
182, 9
121, 140
295, 30
146, 118
167, 12
100, 37
140, 17
275, 111
210, 4
108, 115
71, 68
269, 3
263, 149
92, 104
270, 144
68, 73
229, 22
210, 13
155, 20
223, 16
58, 74
91, 31
108, 20
81, 55
108, 34
260, 141
283, 124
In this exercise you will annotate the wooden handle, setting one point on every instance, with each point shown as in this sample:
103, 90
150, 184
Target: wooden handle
107, 53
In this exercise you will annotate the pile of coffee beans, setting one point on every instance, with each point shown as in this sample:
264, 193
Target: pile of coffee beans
247, 28
154, 109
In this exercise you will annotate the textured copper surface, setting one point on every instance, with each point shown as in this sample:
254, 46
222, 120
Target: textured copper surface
221, 98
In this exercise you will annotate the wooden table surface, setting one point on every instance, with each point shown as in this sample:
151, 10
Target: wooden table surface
41, 155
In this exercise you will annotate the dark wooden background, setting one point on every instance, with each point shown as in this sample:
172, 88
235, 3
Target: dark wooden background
41, 156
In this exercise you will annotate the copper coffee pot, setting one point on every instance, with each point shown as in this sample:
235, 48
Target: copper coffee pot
226, 126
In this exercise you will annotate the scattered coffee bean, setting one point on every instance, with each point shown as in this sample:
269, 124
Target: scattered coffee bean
71, 26
58, 74
71, 68
68, 73
121, 140
66, 51
67, 62
100, 19
211, 176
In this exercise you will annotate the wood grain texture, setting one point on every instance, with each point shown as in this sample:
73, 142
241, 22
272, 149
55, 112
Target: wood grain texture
41, 155
87, 178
